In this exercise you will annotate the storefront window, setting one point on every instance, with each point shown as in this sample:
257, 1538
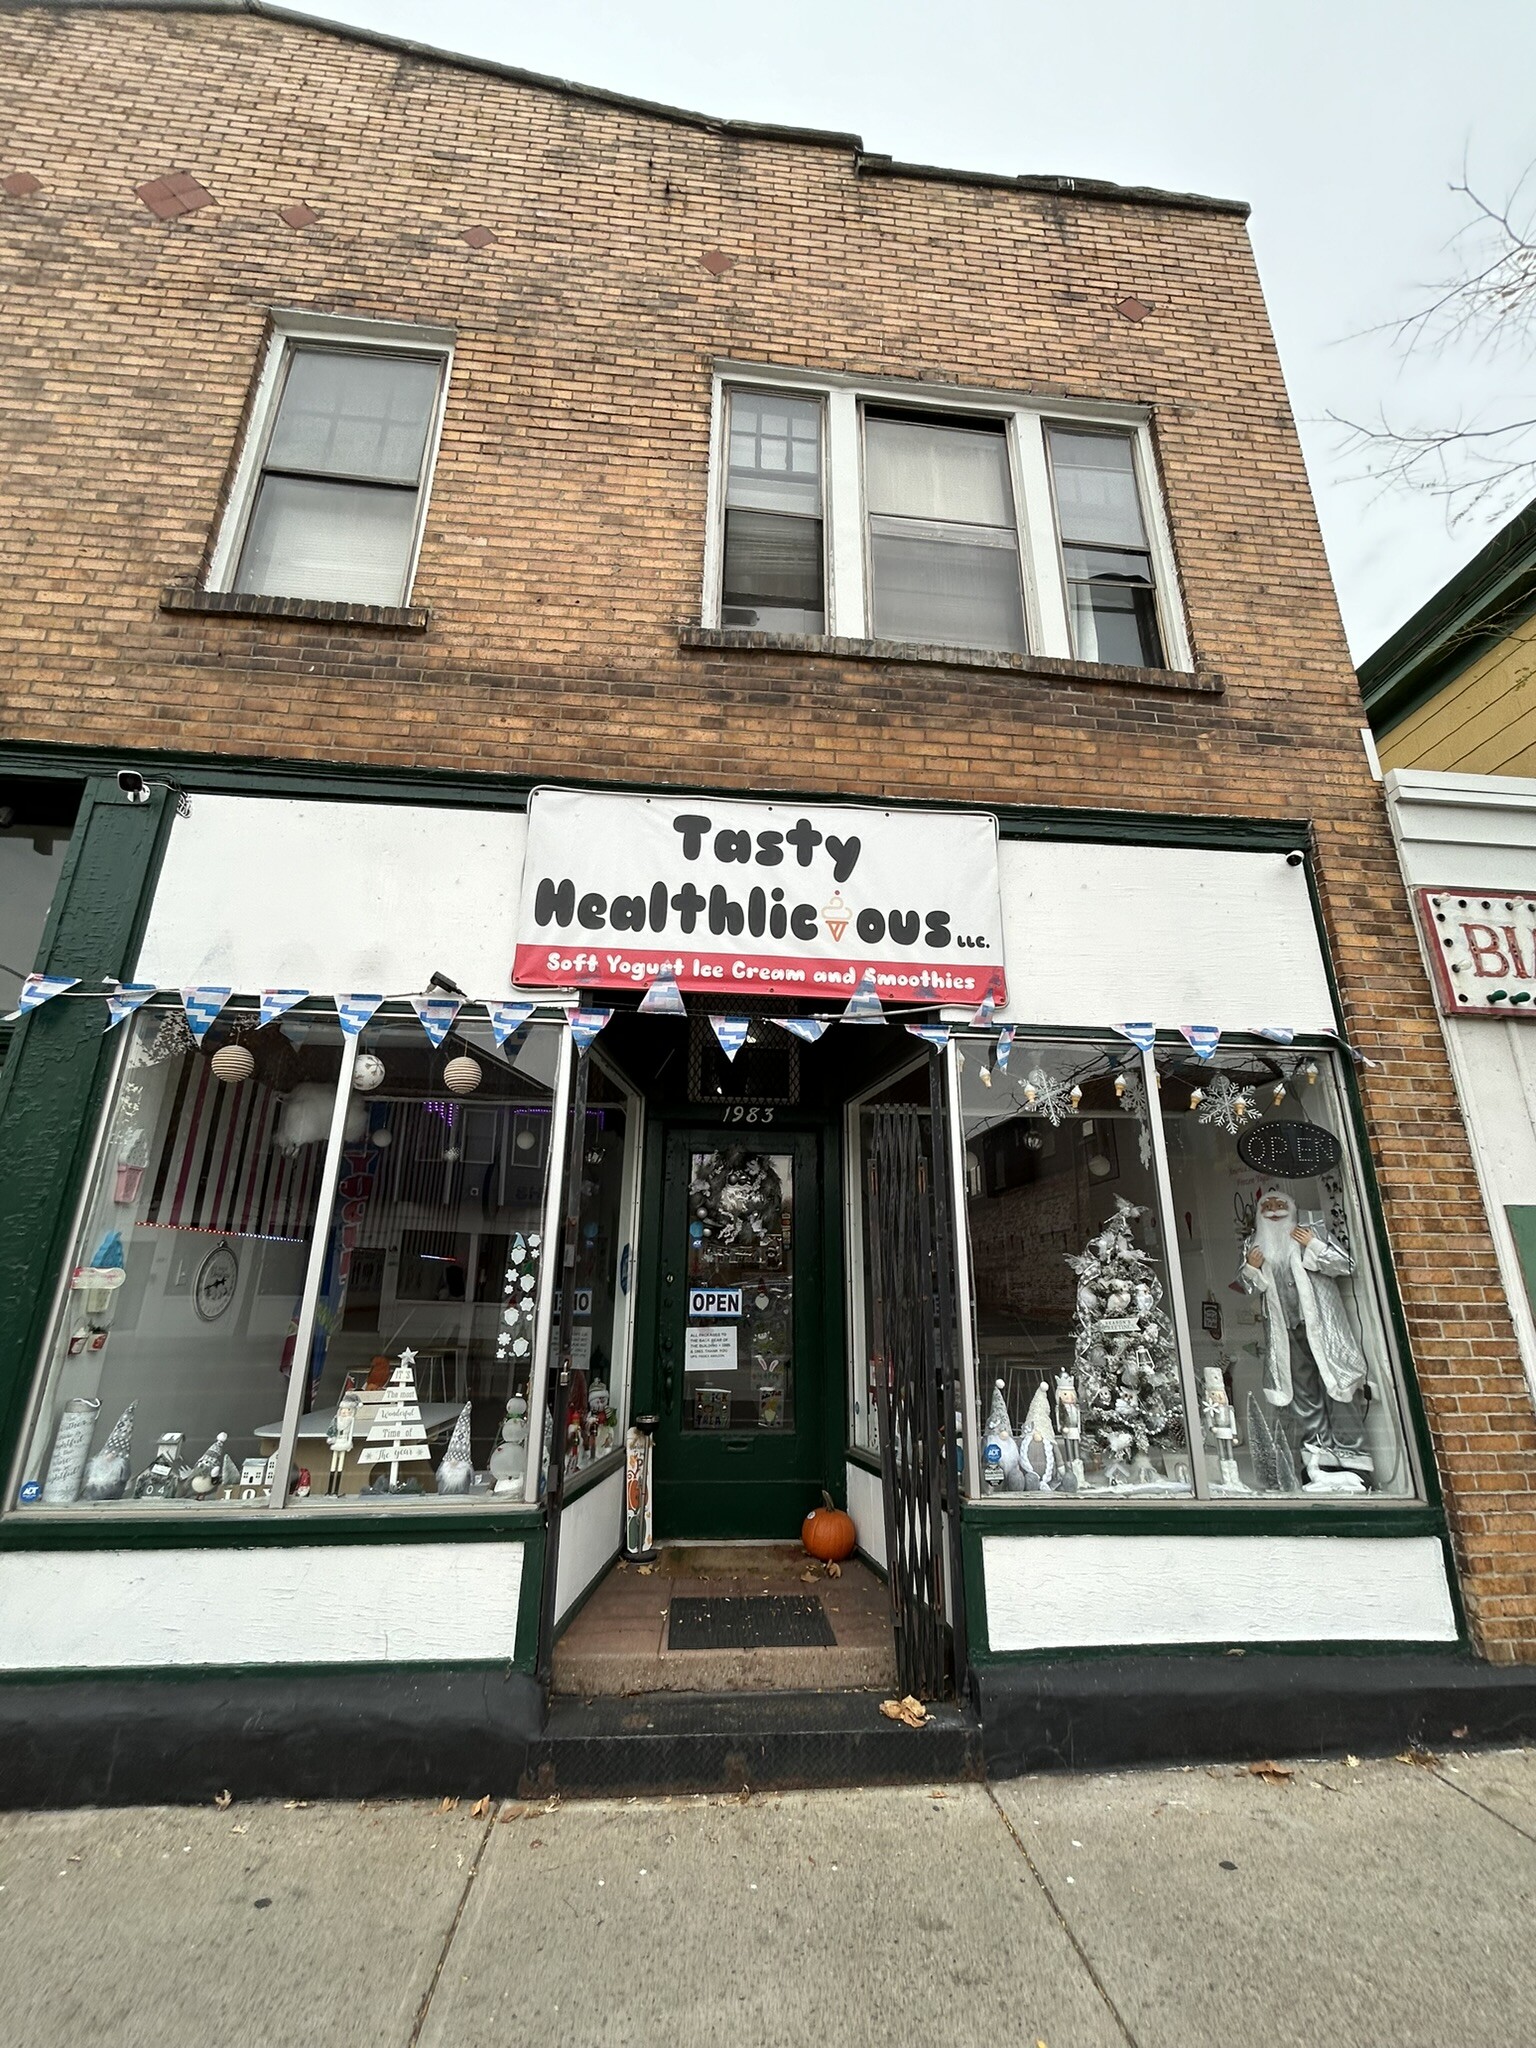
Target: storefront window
1077, 1367
1297, 1390
171, 1361
425, 1334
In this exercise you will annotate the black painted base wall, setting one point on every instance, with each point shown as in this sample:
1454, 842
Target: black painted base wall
338, 1734
1091, 1713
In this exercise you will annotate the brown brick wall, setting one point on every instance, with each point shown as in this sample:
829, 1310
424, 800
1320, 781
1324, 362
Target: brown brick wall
564, 540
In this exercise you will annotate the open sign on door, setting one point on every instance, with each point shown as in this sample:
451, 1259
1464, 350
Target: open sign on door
714, 1301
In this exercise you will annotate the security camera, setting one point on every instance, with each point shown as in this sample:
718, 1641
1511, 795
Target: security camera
133, 785
1294, 859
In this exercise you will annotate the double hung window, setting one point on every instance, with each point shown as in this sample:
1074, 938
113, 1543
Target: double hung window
331, 492
966, 520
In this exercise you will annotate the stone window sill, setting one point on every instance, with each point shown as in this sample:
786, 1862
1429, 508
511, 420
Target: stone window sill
407, 618
743, 640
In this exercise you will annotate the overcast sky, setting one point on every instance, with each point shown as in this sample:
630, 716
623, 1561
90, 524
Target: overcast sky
1343, 122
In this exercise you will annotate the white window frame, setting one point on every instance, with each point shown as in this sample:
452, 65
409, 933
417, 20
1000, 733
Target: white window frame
845, 525
292, 329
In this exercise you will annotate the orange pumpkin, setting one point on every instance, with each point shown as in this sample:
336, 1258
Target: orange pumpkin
828, 1533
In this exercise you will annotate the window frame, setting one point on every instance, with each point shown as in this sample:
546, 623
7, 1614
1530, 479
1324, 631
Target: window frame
845, 518
720, 483
294, 330
1369, 1261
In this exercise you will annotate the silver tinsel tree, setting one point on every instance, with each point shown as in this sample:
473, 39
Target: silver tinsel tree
1127, 1369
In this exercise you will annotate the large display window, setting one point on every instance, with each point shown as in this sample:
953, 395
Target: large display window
313, 1270
1174, 1290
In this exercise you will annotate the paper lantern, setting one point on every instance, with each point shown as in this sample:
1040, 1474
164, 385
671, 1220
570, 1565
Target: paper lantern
233, 1063
368, 1073
462, 1076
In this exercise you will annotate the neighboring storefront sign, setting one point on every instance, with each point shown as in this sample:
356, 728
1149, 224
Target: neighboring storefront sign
734, 896
1483, 944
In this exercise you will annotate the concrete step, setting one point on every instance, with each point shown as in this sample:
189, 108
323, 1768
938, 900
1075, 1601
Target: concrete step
724, 1742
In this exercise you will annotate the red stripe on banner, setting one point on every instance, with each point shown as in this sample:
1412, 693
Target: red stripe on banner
896, 981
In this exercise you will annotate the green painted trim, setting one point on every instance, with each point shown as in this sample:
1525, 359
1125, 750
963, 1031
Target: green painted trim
210, 1530
1480, 606
1098, 1653
192, 1674
834, 1314
530, 1601
978, 1638
1068, 1518
245, 775
54, 1082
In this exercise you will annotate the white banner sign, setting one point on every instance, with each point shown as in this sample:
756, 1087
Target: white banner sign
782, 899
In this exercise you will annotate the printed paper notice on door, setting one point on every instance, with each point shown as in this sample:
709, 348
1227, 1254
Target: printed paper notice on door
710, 1347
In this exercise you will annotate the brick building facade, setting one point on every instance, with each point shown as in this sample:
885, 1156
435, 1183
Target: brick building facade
183, 180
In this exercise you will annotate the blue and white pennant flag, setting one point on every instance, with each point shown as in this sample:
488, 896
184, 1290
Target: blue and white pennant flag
1005, 1046
931, 1034
585, 1025
124, 999
354, 1011
732, 1034
202, 1006
507, 1018
38, 989
807, 1028
1277, 1034
864, 1003
664, 998
276, 1002
1142, 1036
1203, 1037
436, 1014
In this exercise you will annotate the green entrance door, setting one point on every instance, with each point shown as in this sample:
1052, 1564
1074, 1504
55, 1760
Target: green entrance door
740, 1338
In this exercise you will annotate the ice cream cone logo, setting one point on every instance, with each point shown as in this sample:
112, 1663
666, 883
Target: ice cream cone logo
835, 916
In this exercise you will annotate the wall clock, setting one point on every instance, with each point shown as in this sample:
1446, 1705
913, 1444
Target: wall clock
214, 1288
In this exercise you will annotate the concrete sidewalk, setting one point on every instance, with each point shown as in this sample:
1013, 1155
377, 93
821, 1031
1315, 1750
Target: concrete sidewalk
1388, 1902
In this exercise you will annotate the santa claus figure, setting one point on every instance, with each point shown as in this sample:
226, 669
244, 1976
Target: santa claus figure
1313, 1364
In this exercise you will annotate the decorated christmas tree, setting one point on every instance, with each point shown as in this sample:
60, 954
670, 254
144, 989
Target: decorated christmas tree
1126, 1365
396, 1436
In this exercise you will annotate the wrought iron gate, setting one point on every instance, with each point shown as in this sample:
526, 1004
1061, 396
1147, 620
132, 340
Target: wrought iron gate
912, 1332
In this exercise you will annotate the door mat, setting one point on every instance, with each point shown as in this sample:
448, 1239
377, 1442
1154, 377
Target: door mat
768, 1621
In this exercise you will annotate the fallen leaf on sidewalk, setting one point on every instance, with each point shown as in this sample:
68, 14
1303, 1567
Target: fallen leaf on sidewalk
1458, 1734
809, 1576
834, 1571
644, 1570
1352, 1763
910, 1712
293, 1805
1424, 1758
480, 1808
1272, 1773
239, 1828
448, 1806
223, 1799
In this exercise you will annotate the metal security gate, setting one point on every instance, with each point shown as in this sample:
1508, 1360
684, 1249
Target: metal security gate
912, 1328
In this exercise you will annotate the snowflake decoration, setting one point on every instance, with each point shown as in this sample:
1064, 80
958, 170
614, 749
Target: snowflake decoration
1225, 1105
1053, 1099
172, 1041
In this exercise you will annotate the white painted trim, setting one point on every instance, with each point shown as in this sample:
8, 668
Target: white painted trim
1045, 584
1172, 615
266, 1604
291, 327
1173, 1263
866, 1504
843, 502
590, 1530
965, 1281
932, 397
314, 1271
1112, 1592
623, 1336
549, 1261
714, 507
1372, 758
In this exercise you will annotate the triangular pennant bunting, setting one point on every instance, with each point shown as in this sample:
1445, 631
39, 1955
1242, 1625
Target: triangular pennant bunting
985, 1010
276, 1001
586, 1024
732, 1034
807, 1028
1143, 1036
436, 1014
42, 988
664, 998
1203, 1037
354, 1011
931, 1034
864, 1003
127, 997
203, 1006
1277, 1034
1004, 1046
507, 1018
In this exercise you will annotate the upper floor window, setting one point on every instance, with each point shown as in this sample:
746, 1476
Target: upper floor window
1110, 587
956, 519
332, 486
943, 543
773, 575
